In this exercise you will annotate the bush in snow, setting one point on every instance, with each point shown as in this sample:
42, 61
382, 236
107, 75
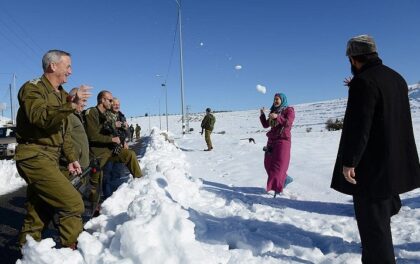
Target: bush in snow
332, 125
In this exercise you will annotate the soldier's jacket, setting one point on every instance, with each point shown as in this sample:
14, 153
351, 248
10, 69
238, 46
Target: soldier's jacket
138, 128
41, 120
208, 122
79, 138
113, 118
100, 140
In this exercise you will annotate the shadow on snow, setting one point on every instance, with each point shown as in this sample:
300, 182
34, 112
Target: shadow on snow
259, 236
254, 195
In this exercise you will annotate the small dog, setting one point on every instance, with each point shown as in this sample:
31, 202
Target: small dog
249, 140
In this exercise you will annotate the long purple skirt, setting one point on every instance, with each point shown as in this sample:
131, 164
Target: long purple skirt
276, 163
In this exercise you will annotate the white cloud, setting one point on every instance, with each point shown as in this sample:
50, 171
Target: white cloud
238, 67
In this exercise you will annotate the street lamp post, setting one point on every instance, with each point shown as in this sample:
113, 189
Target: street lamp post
160, 119
166, 105
181, 64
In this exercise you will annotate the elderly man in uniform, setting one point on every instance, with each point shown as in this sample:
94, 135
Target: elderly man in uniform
377, 158
75, 131
44, 108
103, 144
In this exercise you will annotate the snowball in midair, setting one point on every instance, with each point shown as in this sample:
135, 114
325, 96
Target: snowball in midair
261, 88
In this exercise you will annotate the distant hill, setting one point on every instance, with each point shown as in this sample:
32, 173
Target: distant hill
414, 91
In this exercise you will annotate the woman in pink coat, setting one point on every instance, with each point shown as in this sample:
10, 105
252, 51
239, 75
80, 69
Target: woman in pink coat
277, 151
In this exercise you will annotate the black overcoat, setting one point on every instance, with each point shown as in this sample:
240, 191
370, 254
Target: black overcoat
377, 137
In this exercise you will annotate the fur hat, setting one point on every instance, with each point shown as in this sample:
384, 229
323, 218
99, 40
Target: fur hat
360, 45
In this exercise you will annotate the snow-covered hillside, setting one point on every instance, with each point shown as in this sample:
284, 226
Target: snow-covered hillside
211, 207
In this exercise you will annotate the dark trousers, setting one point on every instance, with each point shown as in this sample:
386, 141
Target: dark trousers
374, 222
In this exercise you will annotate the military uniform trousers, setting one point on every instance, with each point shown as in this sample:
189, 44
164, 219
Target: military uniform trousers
207, 134
126, 156
48, 191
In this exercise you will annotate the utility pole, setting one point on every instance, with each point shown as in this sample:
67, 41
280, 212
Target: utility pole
166, 105
11, 104
188, 117
160, 117
181, 65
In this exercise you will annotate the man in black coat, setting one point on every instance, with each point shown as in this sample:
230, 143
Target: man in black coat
377, 158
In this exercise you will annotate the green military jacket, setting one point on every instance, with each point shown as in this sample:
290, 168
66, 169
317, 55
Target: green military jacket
113, 118
208, 122
41, 120
100, 142
79, 138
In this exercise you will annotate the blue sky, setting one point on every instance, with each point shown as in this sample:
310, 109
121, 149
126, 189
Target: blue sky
291, 46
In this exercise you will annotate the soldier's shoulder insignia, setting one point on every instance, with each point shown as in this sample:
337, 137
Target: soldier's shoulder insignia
35, 81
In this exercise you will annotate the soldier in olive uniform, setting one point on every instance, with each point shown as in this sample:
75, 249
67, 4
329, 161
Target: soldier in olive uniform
44, 108
138, 129
207, 125
76, 131
114, 173
119, 122
131, 130
102, 142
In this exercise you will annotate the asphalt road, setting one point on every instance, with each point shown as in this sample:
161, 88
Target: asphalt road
12, 213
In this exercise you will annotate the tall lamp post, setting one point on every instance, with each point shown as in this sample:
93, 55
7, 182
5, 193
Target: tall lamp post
178, 2
160, 118
166, 105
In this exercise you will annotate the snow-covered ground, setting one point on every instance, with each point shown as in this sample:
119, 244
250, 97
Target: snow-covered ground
211, 207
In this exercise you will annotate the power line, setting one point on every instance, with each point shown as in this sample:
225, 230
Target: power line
19, 49
22, 29
18, 37
172, 51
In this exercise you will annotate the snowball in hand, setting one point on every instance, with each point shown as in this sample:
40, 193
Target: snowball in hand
261, 89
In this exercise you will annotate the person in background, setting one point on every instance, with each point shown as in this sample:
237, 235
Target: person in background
377, 157
131, 130
115, 173
138, 129
44, 108
277, 150
207, 125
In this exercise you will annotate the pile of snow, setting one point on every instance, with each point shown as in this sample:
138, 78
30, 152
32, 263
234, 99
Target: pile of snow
145, 221
10, 179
